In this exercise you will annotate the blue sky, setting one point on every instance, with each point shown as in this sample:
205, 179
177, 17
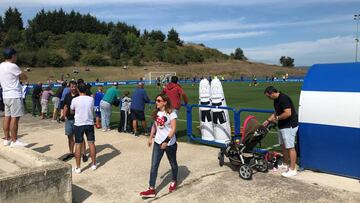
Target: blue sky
311, 31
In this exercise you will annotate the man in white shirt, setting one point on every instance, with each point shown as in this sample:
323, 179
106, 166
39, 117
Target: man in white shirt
83, 106
10, 76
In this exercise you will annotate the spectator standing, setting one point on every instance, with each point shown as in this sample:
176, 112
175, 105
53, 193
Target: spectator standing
110, 98
56, 100
35, 97
70, 120
286, 117
83, 106
164, 139
174, 91
125, 112
10, 76
62, 102
98, 97
1, 99
45, 96
25, 91
137, 107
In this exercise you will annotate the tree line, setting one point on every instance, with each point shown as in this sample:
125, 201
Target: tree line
57, 38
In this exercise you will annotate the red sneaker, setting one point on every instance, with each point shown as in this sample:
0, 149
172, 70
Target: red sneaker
172, 186
148, 193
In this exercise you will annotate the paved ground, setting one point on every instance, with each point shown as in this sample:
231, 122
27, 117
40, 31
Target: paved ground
124, 172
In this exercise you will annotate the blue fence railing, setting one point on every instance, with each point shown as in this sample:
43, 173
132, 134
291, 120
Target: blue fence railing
134, 82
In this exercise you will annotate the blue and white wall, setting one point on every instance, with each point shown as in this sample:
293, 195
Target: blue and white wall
329, 115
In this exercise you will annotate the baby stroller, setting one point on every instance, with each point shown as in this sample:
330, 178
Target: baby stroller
241, 150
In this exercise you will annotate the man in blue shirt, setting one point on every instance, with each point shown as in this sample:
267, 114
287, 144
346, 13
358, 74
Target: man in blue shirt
138, 100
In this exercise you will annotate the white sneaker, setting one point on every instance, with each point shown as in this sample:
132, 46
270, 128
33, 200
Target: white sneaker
76, 170
18, 143
7, 142
289, 173
283, 167
104, 130
94, 166
108, 129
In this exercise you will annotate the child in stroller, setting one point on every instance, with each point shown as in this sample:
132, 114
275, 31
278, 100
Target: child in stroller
241, 150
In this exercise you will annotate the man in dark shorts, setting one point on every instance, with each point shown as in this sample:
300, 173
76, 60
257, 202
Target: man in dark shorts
70, 120
287, 118
83, 106
137, 107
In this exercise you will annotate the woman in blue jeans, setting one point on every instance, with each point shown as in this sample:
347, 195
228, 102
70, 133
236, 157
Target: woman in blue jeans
163, 136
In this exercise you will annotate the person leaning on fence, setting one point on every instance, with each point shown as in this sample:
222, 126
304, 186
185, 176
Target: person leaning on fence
35, 98
287, 119
125, 113
164, 139
137, 108
56, 100
98, 97
110, 98
25, 91
174, 91
10, 76
45, 96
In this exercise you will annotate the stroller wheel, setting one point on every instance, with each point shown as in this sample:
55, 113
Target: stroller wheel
262, 166
245, 172
221, 158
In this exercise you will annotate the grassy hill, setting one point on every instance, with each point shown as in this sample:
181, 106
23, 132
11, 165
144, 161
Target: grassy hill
227, 68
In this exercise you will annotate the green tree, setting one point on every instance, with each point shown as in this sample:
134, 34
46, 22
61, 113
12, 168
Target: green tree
174, 36
239, 55
286, 61
13, 36
13, 19
157, 35
75, 43
132, 44
1, 25
117, 42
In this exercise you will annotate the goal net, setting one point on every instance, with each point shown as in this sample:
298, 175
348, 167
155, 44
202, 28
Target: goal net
164, 77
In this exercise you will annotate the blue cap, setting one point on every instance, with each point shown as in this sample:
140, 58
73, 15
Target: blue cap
9, 52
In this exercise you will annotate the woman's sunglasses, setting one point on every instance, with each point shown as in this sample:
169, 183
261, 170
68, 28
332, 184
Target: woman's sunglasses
158, 101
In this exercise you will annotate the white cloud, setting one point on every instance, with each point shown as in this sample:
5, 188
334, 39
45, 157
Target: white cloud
240, 24
220, 36
326, 50
31, 3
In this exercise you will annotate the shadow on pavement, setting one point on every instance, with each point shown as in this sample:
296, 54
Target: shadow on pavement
79, 194
103, 158
43, 149
183, 173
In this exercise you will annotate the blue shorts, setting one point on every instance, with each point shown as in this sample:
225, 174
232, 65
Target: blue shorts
69, 128
88, 130
287, 137
97, 111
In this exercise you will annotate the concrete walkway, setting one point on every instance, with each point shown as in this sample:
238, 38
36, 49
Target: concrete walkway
125, 164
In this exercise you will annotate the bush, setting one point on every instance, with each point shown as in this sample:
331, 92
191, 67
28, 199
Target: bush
56, 60
26, 58
94, 60
136, 61
42, 57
